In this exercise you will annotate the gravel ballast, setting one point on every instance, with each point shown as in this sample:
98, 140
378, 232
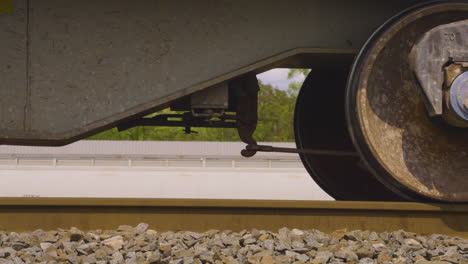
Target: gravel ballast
140, 244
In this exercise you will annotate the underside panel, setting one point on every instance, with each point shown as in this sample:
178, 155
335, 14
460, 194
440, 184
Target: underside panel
93, 63
13, 73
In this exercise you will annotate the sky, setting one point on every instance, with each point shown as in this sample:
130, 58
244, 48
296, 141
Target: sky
279, 78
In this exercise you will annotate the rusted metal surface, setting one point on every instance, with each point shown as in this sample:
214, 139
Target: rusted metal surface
73, 68
16, 214
416, 157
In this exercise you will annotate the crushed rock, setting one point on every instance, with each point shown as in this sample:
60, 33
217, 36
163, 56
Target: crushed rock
140, 244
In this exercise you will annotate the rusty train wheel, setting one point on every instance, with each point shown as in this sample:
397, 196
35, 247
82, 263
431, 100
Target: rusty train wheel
409, 152
319, 123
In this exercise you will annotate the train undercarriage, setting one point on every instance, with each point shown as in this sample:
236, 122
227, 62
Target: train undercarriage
383, 115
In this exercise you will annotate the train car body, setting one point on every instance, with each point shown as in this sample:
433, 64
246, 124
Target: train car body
70, 68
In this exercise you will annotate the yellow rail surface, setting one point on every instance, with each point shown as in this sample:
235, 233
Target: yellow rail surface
28, 214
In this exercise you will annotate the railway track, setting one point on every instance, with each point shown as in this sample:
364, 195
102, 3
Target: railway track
28, 214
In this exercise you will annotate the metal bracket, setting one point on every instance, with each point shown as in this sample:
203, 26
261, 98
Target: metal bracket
210, 102
436, 49
246, 88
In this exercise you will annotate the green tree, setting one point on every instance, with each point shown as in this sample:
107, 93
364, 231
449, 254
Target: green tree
275, 113
295, 86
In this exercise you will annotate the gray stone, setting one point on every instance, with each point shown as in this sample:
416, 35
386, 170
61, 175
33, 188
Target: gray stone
297, 232
422, 239
379, 246
323, 256
297, 244
229, 240
114, 242
117, 258
281, 246
269, 244
334, 241
6, 252
151, 246
264, 253
385, 236
463, 247
314, 244
249, 241
207, 256
13, 237
367, 261
365, 251
45, 246
354, 235
347, 255
17, 260
302, 257
141, 228
412, 243
182, 253
92, 236
436, 252
19, 245
336, 261
76, 234
290, 253
373, 236
154, 257
419, 253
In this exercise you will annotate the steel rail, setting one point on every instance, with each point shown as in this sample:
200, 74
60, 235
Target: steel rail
28, 214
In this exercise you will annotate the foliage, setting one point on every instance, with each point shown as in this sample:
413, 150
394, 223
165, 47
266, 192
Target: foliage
276, 110
275, 114
295, 86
